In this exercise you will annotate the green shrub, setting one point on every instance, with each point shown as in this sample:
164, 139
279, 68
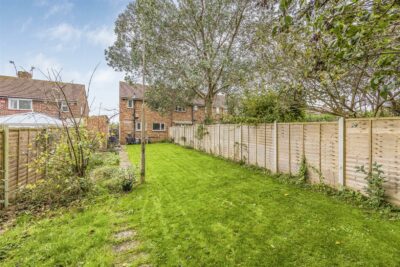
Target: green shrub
114, 178
303, 171
375, 181
53, 192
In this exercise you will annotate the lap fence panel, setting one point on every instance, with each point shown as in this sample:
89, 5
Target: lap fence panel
329, 153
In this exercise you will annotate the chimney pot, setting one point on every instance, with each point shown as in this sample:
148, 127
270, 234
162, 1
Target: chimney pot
24, 74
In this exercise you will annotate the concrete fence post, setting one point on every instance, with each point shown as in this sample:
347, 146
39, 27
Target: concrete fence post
342, 152
275, 145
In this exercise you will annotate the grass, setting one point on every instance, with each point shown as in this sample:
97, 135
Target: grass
196, 210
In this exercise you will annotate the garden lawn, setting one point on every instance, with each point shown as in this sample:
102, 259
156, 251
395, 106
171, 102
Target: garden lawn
197, 210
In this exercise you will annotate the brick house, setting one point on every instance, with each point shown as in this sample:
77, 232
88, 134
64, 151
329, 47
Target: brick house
23, 94
157, 124
100, 125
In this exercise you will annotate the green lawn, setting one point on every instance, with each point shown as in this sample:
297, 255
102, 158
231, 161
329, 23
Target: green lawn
196, 210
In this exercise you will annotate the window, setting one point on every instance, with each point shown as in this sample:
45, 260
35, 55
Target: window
158, 126
130, 103
64, 106
138, 126
22, 104
217, 110
180, 109
195, 107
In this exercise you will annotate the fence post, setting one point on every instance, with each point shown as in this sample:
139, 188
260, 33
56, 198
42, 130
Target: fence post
219, 139
241, 142
320, 148
275, 133
5, 164
370, 145
265, 145
248, 144
342, 151
256, 146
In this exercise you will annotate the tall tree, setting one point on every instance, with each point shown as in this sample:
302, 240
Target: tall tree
344, 54
197, 46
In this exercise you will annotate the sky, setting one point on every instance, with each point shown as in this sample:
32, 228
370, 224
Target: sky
66, 35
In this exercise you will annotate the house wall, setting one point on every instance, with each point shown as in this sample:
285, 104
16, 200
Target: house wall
127, 123
99, 125
48, 108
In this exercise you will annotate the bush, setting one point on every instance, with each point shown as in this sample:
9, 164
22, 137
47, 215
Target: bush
65, 181
114, 178
375, 181
52, 192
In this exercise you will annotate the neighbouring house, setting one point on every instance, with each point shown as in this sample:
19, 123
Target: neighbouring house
23, 94
99, 125
157, 124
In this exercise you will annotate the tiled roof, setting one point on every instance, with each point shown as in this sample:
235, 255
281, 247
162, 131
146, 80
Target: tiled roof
136, 90
38, 89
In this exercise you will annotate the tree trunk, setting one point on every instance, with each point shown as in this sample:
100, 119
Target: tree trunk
143, 125
208, 103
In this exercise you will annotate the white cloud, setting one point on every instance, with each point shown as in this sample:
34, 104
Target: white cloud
26, 24
104, 90
66, 35
64, 32
44, 63
103, 36
63, 8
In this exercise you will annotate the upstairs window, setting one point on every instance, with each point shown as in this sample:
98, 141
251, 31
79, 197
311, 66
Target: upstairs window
64, 106
158, 126
195, 108
19, 104
180, 109
130, 103
217, 110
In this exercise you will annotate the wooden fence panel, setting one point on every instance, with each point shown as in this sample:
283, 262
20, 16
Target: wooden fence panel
365, 141
296, 147
357, 151
312, 149
2, 181
244, 143
224, 130
385, 150
261, 147
329, 153
252, 144
270, 153
283, 148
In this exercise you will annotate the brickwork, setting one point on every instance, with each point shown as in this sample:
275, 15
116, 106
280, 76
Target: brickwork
99, 124
46, 107
130, 116
45, 98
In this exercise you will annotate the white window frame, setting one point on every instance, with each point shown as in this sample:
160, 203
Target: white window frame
217, 110
64, 106
18, 106
162, 129
136, 126
195, 108
130, 101
180, 109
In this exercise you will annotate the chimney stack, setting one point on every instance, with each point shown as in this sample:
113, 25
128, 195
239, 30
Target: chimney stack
24, 75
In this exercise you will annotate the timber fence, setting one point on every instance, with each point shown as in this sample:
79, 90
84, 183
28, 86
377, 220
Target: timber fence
332, 150
19, 148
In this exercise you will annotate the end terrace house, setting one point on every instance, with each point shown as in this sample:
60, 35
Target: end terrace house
23, 94
157, 124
